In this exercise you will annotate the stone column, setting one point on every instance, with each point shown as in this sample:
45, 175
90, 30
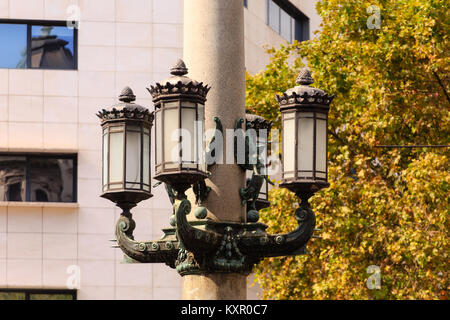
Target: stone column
214, 54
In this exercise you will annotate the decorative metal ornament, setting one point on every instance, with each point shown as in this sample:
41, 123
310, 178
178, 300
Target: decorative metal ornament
216, 247
254, 163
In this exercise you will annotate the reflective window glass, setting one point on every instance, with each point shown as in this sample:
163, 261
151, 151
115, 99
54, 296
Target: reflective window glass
52, 47
33, 294
51, 180
12, 178
13, 45
37, 178
285, 25
289, 22
33, 44
274, 16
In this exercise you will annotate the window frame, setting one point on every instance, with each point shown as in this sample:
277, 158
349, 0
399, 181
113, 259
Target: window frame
28, 155
29, 292
55, 23
301, 21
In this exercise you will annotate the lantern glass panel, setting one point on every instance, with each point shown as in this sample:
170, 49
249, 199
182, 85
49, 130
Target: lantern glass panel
263, 191
171, 138
289, 145
116, 145
133, 161
305, 138
263, 149
188, 118
159, 139
146, 160
200, 147
105, 159
321, 148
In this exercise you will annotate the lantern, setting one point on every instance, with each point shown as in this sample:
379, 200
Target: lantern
262, 128
179, 126
304, 111
126, 151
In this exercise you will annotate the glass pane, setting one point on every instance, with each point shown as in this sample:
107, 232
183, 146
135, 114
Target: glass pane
274, 16
146, 159
51, 180
172, 104
263, 149
289, 146
293, 23
307, 115
159, 133
305, 140
200, 142
285, 25
12, 295
12, 178
188, 104
321, 145
13, 45
133, 157
52, 47
43, 296
171, 136
248, 175
321, 175
105, 158
171, 165
116, 157
188, 117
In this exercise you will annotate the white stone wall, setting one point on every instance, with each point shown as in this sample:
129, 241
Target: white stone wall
258, 34
121, 42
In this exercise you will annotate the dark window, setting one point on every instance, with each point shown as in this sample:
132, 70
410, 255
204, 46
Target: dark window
38, 178
286, 20
37, 44
245, 3
37, 294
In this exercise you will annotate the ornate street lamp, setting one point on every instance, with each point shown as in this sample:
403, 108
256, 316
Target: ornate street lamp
126, 151
179, 125
208, 246
304, 112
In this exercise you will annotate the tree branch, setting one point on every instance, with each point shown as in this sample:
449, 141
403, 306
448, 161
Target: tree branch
442, 85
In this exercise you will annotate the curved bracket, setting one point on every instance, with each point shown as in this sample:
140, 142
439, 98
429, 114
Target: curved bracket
164, 250
292, 243
193, 239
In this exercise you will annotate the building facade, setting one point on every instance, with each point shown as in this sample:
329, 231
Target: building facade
55, 230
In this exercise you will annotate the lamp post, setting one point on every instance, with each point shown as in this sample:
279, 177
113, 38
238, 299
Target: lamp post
215, 253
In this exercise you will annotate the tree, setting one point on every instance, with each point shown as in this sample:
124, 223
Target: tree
386, 207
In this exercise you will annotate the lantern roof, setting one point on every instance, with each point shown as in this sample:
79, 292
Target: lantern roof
126, 109
304, 94
178, 84
256, 122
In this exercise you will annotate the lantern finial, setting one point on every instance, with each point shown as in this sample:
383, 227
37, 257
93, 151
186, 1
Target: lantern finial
127, 95
304, 78
179, 69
